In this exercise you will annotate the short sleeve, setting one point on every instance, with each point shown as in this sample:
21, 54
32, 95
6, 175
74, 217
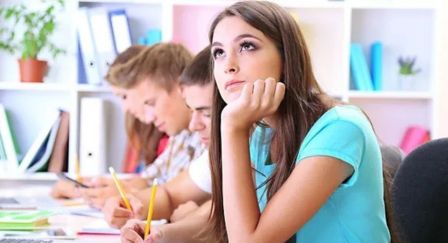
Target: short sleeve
199, 171
340, 139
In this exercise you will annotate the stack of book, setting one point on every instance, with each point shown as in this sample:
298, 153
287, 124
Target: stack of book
23, 219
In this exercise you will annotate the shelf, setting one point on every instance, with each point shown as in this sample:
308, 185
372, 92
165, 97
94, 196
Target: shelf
382, 4
34, 86
121, 1
93, 88
422, 95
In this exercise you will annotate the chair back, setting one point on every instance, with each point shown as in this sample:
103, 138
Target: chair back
420, 194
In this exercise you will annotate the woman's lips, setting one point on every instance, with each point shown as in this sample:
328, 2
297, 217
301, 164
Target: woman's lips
232, 84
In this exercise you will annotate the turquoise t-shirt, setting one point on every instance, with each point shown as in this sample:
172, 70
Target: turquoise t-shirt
355, 212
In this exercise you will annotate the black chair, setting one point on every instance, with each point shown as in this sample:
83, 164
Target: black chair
420, 194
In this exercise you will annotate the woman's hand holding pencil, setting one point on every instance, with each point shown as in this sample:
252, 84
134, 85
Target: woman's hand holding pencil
117, 214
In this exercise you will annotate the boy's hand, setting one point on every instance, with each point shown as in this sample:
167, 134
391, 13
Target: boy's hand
133, 231
97, 196
116, 213
65, 189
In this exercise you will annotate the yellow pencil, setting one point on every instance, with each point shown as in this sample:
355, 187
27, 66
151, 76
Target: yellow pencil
120, 189
151, 208
77, 169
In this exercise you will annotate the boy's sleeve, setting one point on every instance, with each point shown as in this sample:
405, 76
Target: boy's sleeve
339, 139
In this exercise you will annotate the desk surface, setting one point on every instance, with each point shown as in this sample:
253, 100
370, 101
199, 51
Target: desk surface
37, 191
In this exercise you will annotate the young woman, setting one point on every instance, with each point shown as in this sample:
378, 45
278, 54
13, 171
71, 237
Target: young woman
316, 162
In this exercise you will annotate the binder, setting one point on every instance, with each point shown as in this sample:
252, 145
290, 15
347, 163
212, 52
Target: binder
102, 39
9, 148
87, 47
92, 137
120, 30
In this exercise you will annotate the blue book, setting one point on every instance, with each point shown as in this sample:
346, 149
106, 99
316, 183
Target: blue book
153, 36
376, 64
359, 69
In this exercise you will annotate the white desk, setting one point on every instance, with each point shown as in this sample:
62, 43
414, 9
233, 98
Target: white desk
37, 190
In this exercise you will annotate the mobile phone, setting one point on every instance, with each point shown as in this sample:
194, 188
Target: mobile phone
63, 176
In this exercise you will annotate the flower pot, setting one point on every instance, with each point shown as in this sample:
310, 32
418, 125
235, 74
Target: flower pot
407, 82
32, 70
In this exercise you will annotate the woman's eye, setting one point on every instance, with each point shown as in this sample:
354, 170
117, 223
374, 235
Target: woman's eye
247, 46
217, 53
123, 97
148, 103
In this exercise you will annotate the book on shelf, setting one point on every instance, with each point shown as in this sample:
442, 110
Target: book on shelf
359, 69
376, 65
24, 219
37, 156
9, 149
58, 161
413, 137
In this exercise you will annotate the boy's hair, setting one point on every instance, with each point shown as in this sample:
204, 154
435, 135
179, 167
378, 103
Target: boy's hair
199, 70
122, 58
163, 63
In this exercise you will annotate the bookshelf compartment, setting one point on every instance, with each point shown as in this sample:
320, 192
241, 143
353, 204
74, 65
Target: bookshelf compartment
191, 25
391, 117
28, 111
323, 29
403, 32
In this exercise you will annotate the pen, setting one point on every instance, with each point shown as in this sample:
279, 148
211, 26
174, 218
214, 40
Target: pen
150, 208
120, 189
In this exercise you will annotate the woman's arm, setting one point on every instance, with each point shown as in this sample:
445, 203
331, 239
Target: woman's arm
309, 186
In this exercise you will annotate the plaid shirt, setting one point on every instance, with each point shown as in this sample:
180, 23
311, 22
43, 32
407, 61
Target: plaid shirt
180, 151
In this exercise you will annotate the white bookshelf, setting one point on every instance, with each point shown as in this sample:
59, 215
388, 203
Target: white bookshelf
405, 27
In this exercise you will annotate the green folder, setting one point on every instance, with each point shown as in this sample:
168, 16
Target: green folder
23, 219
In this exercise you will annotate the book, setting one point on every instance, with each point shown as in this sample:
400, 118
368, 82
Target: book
9, 148
120, 30
376, 65
153, 36
23, 219
358, 68
40, 150
59, 157
413, 137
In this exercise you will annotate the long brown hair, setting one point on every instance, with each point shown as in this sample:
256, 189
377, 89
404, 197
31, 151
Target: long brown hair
143, 137
299, 110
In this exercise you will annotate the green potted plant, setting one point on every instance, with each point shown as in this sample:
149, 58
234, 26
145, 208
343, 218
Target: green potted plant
407, 73
27, 31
